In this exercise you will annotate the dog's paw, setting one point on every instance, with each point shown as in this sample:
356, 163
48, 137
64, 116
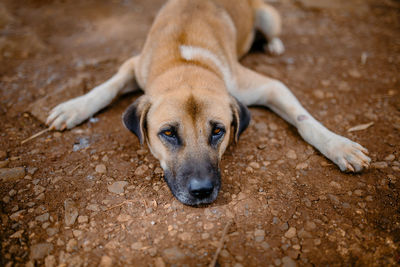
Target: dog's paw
348, 155
275, 47
68, 114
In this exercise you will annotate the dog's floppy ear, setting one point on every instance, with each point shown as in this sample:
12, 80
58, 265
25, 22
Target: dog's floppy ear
241, 117
135, 118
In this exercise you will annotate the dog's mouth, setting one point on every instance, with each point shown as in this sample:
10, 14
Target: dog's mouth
194, 191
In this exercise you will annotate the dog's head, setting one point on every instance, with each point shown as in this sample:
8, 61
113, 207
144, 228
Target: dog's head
188, 133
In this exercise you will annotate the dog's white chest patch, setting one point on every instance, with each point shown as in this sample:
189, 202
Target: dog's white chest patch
192, 53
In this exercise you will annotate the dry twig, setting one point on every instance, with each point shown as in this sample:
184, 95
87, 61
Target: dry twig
361, 127
220, 245
120, 204
35, 135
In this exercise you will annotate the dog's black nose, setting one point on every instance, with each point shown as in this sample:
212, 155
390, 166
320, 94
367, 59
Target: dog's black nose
200, 188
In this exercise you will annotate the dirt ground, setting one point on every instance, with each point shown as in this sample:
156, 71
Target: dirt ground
93, 196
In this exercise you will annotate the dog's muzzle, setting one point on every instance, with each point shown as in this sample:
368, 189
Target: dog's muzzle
194, 183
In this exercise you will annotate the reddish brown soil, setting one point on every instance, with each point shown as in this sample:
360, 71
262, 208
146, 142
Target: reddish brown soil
342, 61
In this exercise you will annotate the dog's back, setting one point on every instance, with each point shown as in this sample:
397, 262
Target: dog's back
222, 27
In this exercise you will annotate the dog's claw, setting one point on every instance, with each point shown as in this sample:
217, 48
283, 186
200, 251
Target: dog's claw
348, 155
68, 114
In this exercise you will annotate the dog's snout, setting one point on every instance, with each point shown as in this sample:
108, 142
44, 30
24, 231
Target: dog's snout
200, 188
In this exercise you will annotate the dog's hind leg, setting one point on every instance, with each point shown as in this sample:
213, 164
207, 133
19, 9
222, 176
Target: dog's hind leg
256, 89
268, 21
72, 112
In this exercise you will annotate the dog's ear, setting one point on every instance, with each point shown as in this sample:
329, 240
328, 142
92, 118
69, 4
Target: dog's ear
241, 117
135, 118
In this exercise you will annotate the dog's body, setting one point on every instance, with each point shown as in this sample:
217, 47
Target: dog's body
196, 92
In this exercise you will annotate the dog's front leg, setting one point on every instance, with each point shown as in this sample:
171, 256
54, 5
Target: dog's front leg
72, 112
256, 89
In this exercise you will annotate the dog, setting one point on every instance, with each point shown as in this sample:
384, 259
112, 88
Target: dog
197, 93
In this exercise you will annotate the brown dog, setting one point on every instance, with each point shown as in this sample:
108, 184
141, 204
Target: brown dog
196, 93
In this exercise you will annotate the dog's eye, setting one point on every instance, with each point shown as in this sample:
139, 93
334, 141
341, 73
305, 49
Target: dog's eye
169, 136
216, 131
216, 135
167, 133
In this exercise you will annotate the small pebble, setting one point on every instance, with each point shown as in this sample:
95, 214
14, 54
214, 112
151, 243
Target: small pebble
141, 170
208, 226
185, 236
265, 245
77, 233
390, 157
43, 217
40, 250
310, 226
93, 207
159, 262
335, 185
51, 231
50, 261
72, 245
106, 261
254, 165
379, 165
288, 261
290, 233
259, 235
101, 168
117, 187
83, 219
318, 94
152, 252
205, 236
302, 166
16, 216
71, 212
137, 245
291, 154
17, 234
358, 192
284, 226
38, 189
272, 126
